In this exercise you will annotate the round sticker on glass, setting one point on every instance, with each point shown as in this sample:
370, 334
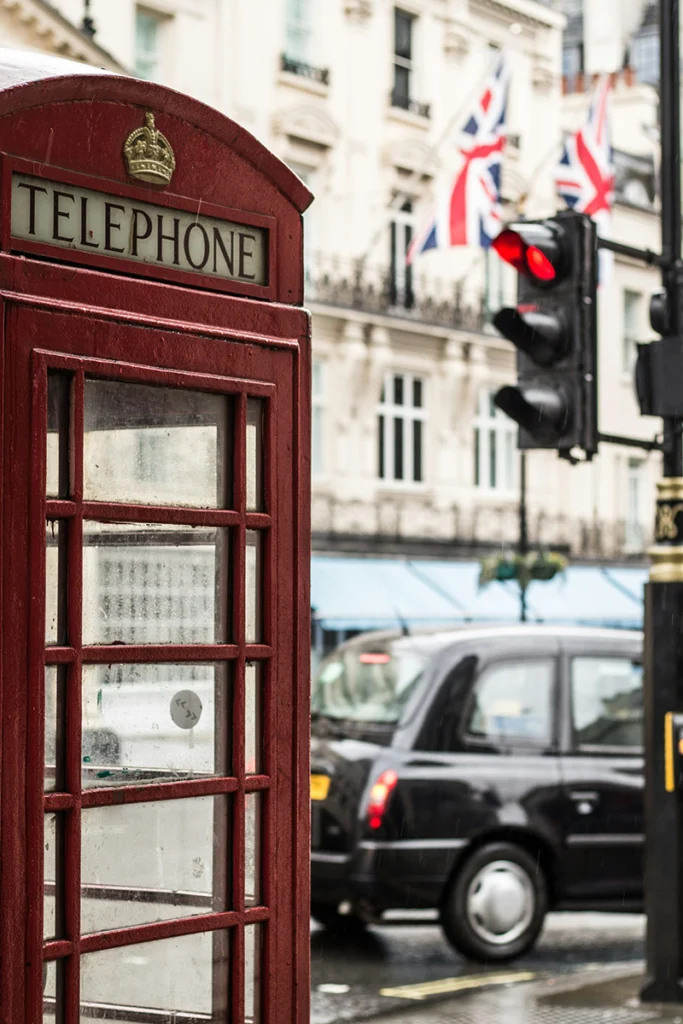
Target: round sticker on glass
186, 709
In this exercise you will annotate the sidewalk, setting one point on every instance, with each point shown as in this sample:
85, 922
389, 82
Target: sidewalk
594, 996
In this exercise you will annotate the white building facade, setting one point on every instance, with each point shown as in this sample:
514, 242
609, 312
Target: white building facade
364, 99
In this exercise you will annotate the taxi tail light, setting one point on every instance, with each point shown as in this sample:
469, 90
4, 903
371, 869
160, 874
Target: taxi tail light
379, 798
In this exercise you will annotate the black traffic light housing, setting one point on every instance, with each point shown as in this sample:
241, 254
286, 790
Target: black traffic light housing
554, 329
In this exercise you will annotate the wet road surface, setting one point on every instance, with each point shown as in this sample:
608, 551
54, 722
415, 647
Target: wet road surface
349, 976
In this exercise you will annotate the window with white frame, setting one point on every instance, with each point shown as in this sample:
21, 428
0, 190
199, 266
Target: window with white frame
495, 446
401, 230
299, 29
401, 428
318, 419
632, 333
634, 532
148, 32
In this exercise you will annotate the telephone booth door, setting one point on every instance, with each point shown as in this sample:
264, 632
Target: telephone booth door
161, 517
160, 538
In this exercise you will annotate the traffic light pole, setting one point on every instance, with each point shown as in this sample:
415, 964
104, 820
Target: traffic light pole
663, 659
523, 532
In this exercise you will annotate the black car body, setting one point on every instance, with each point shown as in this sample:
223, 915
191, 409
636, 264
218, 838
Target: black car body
490, 773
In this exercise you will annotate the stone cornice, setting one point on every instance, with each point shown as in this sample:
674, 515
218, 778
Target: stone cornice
521, 12
56, 34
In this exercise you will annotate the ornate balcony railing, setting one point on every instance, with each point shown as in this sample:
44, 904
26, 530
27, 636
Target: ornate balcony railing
398, 99
398, 292
415, 524
300, 67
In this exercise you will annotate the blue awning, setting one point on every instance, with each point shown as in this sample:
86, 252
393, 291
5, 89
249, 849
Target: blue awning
376, 593
355, 593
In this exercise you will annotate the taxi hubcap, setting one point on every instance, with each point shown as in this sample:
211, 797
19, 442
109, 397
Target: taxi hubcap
500, 902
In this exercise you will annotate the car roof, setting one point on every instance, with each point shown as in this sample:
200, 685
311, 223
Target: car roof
437, 638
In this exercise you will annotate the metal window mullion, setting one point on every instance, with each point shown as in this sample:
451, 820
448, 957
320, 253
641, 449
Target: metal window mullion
72, 837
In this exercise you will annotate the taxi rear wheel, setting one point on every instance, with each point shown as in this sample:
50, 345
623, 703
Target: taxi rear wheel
496, 905
330, 917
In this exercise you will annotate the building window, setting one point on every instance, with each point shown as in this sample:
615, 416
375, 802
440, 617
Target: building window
401, 428
495, 446
634, 538
318, 419
631, 336
644, 50
147, 45
298, 29
401, 275
572, 66
404, 24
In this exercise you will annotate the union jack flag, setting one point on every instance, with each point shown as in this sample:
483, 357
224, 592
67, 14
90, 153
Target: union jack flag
585, 176
470, 212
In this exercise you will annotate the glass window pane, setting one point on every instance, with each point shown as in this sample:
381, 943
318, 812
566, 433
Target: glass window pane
380, 438
184, 975
55, 582
255, 411
55, 717
513, 701
252, 974
403, 25
151, 584
154, 861
417, 450
155, 723
252, 718
417, 393
53, 980
53, 923
607, 702
57, 469
398, 390
252, 849
156, 446
253, 589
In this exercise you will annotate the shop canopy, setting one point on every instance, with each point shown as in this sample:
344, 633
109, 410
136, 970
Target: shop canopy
355, 593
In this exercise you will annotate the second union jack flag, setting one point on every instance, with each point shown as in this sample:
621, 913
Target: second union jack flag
585, 176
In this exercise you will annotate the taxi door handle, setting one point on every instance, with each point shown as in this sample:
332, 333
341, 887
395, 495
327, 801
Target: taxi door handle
580, 794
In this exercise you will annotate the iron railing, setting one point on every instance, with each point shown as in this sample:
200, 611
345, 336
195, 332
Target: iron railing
396, 292
300, 67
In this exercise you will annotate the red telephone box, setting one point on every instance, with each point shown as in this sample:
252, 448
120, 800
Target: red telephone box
155, 546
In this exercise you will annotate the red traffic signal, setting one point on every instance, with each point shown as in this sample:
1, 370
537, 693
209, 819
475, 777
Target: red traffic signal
536, 250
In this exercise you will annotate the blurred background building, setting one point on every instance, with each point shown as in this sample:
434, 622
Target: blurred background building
365, 100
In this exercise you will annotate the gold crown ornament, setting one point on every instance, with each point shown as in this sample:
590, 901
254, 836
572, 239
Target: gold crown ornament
148, 154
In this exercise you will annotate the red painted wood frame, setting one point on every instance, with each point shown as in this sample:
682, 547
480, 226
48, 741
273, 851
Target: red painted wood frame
49, 325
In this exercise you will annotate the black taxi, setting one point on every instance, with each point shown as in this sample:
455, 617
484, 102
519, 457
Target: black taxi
489, 773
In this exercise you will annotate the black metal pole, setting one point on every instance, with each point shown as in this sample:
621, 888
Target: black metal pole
523, 536
663, 655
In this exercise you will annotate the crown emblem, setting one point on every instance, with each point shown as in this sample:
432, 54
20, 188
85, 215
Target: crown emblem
148, 154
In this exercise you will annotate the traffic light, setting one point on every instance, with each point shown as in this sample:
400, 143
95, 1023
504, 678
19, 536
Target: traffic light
554, 329
659, 366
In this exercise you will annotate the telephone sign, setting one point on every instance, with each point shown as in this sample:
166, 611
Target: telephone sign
154, 791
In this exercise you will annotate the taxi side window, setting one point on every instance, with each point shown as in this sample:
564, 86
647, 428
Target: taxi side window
607, 702
512, 703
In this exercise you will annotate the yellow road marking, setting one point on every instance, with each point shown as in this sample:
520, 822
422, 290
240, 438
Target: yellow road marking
443, 986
